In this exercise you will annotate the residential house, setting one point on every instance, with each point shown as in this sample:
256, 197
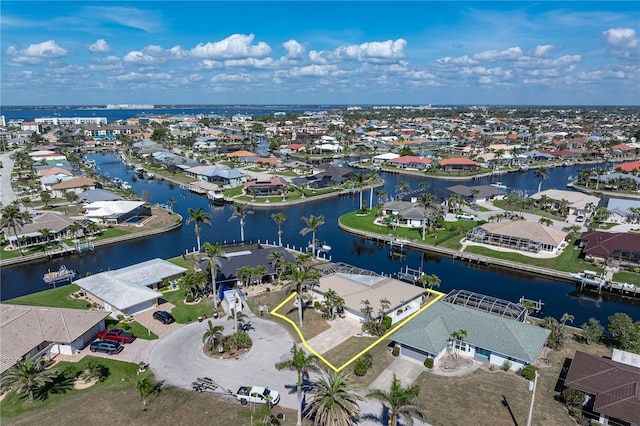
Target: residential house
406, 213
623, 211
411, 162
578, 203
117, 212
247, 256
479, 193
491, 338
521, 235
38, 331
265, 188
354, 285
31, 233
611, 386
77, 185
459, 164
611, 247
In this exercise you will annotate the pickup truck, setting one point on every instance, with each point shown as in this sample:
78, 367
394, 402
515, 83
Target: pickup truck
116, 335
257, 395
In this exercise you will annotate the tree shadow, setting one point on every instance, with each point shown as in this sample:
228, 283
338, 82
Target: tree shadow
562, 376
382, 418
506, 404
59, 385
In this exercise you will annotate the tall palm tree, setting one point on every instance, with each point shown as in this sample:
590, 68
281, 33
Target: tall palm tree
401, 400
279, 219
298, 279
46, 235
198, 217
15, 219
215, 252
238, 317
402, 186
541, 175
277, 261
425, 201
28, 375
334, 401
358, 179
313, 224
212, 335
458, 337
240, 211
171, 202
301, 363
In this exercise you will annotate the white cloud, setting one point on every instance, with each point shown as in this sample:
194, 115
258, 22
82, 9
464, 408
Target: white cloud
249, 62
462, 60
502, 55
231, 78
542, 50
294, 49
376, 52
100, 46
35, 53
135, 76
622, 42
236, 46
312, 71
149, 55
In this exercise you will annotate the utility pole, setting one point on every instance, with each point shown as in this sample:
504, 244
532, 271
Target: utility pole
533, 397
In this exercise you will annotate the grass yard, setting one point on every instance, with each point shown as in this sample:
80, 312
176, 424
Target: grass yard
184, 313
59, 297
381, 357
627, 277
479, 398
116, 401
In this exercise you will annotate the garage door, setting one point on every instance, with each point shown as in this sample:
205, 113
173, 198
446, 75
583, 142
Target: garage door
141, 307
413, 353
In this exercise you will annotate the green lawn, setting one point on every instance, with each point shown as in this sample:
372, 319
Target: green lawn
627, 277
59, 297
138, 330
184, 313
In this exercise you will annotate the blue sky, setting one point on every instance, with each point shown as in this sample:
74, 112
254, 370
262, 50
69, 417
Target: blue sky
306, 52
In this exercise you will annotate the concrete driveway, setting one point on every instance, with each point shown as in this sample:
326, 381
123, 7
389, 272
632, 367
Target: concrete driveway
179, 359
135, 352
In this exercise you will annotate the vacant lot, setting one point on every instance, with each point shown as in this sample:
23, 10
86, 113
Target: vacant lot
499, 398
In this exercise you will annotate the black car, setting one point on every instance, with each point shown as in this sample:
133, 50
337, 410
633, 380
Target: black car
164, 317
107, 346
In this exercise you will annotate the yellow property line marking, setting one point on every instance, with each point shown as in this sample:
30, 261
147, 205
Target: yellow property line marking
402, 323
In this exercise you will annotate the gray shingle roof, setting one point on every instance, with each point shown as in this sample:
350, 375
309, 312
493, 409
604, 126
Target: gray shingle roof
431, 330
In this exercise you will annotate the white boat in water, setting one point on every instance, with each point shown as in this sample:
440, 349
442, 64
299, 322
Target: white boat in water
125, 185
62, 274
217, 196
498, 185
321, 247
589, 278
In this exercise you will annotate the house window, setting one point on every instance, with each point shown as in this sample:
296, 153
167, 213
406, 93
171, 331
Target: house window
486, 353
461, 346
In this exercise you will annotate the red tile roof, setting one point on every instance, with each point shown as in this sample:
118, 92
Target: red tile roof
630, 166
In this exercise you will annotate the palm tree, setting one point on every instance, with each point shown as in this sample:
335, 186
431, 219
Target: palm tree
298, 278
198, 217
301, 363
277, 260
401, 400
429, 281
28, 375
145, 388
334, 401
215, 252
545, 221
46, 235
45, 196
359, 179
425, 201
279, 218
240, 211
238, 317
541, 174
457, 338
402, 186
212, 335
14, 219
313, 224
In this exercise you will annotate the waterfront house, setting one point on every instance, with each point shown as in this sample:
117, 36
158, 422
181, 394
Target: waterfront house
492, 338
406, 213
265, 188
521, 235
616, 248
38, 331
132, 289
629, 167
117, 212
623, 211
220, 175
459, 164
31, 233
93, 195
354, 285
247, 256
411, 162
611, 386
578, 203
478, 194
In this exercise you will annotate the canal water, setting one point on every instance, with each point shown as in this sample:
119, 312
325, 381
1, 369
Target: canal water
559, 297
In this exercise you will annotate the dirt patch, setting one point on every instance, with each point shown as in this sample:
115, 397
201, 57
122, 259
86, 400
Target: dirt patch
232, 354
83, 384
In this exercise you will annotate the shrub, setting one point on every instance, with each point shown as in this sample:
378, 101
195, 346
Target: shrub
360, 368
120, 317
95, 370
528, 372
506, 365
395, 351
386, 322
317, 305
573, 397
70, 372
428, 362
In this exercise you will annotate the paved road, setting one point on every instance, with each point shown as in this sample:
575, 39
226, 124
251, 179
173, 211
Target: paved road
178, 358
6, 192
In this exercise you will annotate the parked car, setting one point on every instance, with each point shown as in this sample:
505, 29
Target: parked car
580, 218
257, 395
107, 346
465, 216
117, 335
164, 317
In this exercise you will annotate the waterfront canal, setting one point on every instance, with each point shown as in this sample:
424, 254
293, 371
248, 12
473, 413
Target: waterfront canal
559, 297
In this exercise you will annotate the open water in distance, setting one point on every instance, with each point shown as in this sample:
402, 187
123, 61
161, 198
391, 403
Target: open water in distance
559, 297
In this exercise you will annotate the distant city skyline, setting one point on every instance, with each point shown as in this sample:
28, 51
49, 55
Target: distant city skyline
320, 52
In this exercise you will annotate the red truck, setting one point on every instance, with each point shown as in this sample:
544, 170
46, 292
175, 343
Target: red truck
117, 335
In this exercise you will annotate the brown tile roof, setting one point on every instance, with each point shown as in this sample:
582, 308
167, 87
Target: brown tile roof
74, 183
616, 386
603, 244
459, 160
23, 328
